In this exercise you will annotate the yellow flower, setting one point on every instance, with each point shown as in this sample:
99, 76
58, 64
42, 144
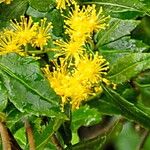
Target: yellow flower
96, 21
91, 69
61, 4
25, 30
43, 34
65, 85
6, 1
82, 22
76, 25
8, 44
71, 49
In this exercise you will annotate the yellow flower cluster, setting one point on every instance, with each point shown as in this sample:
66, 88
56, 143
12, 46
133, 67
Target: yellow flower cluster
80, 25
6, 1
76, 83
82, 22
79, 74
24, 32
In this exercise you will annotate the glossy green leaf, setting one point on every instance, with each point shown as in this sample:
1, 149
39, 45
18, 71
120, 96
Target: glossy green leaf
128, 110
112, 6
15, 9
126, 44
117, 29
27, 87
3, 95
41, 6
129, 66
43, 138
55, 17
35, 13
84, 116
103, 105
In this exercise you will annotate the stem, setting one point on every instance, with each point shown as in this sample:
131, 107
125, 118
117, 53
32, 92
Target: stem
26, 48
143, 140
56, 142
5, 137
30, 135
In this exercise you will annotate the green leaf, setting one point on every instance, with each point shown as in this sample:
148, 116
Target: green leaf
127, 109
57, 21
43, 138
35, 13
27, 87
112, 56
128, 138
112, 6
126, 44
84, 116
95, 144
3, 95
14, 10
117, 29
143, 85
20, 136
104, 107
42, 6
129, 66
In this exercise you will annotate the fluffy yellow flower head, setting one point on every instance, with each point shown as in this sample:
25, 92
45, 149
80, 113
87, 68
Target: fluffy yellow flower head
66, 86
91, 69
71, 49
8, 44
25, 30
43, 34
61, 4
82, 22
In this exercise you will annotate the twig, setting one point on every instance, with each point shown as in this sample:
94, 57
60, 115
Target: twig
143, 140
5, 137
30, 137
56, 142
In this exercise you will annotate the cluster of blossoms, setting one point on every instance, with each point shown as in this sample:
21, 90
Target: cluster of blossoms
79, 73
76, 73
20, 34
